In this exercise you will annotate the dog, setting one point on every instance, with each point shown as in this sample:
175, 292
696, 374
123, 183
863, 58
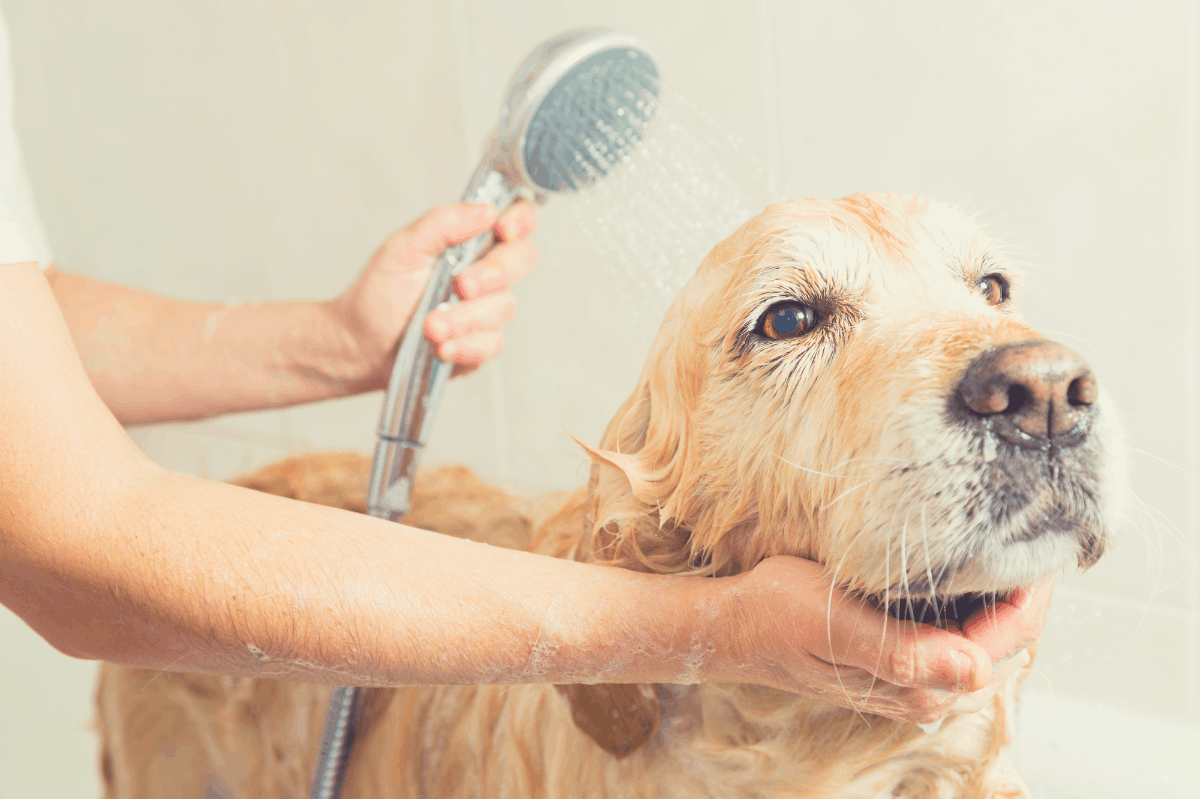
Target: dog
846, 381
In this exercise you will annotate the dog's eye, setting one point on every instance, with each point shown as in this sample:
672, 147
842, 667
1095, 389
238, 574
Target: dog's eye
787, 320
994, 289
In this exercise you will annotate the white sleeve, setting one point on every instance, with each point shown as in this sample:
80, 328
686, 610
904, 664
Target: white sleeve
21, 235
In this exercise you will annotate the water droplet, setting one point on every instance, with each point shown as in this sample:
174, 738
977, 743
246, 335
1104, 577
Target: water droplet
655, 217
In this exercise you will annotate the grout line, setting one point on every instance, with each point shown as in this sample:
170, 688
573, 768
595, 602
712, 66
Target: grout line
1191, 339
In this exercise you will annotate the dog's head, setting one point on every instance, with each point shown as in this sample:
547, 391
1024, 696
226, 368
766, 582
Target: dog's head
851, 382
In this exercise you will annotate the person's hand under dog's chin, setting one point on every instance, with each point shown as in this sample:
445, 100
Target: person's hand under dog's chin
1015, 623
866, 660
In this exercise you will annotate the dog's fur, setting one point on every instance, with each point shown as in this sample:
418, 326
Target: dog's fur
844, 446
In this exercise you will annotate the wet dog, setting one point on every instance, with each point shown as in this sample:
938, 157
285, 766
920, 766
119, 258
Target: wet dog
847, 381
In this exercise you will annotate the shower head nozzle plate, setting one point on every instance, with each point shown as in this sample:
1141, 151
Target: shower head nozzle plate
576, 107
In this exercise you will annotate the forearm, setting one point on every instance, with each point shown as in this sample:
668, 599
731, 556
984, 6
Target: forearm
155, 359
108, 556
260, 585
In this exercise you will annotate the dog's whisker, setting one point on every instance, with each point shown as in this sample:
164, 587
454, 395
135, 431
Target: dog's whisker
933, 601
872, 459
1147, 513
907, 598
849, 491
163, 671
806, 469
1183, 475
735, 258
1151, 529
887, 583
829, 633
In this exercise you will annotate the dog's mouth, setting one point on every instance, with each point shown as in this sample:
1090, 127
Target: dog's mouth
952, 612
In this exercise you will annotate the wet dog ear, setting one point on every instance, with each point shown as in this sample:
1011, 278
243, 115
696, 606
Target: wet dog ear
619, 718
629, 465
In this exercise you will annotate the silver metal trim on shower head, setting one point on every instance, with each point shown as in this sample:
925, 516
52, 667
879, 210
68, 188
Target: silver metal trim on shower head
542, 71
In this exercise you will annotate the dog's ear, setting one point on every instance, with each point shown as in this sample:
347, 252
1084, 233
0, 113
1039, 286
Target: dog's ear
619, 718
629, 465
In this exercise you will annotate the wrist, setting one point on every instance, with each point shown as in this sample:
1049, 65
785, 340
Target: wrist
687, 623
349, 354
722, 627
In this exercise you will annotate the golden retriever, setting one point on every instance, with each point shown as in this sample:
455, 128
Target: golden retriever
847, 381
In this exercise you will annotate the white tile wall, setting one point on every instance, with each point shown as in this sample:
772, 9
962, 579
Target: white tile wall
261, 148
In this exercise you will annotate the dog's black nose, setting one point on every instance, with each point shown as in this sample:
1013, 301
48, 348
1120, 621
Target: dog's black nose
1031, 391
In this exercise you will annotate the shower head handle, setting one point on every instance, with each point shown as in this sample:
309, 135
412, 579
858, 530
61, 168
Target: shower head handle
574, 93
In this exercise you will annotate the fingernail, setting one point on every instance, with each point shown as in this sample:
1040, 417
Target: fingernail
963, 669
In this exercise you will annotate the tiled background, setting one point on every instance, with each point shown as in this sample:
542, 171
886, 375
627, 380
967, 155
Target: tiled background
260, 149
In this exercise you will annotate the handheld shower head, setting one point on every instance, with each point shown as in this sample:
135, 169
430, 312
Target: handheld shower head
572, 111
574, 108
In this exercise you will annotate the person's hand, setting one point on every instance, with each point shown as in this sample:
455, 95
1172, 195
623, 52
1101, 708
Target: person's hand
1008, 634
796, 632
377, 308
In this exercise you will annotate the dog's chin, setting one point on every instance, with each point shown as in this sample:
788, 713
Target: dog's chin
1016, 564
991, 578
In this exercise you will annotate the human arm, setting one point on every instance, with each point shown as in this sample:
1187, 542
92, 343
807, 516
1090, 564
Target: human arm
155, 359
821, 641
108, 556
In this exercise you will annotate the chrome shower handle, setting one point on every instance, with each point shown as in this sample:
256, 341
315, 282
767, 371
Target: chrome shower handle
418, 375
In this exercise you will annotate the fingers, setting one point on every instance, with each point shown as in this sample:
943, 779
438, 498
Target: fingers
488, 313
444, 226
859, 690
920, 706
926, 706
902, 652
1010, 626
469, 352
504, 266
974, 702
925, 657
840, 628
468, 333
519, 221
